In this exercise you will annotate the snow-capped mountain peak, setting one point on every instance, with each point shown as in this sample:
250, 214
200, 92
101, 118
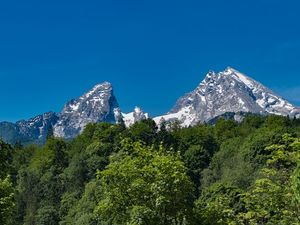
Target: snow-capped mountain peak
135, 116
240, 77
227, 91
96, 105
98, 90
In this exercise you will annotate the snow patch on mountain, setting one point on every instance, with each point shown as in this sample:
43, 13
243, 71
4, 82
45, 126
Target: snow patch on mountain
135, 116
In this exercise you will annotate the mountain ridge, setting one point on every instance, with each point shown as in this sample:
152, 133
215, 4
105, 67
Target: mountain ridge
228, 91
34, 130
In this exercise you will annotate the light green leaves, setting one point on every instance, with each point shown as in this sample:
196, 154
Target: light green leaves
148, 186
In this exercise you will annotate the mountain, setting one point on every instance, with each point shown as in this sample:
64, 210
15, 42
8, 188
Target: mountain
34, 130
133, 117
97, 105
227, 91
227, 94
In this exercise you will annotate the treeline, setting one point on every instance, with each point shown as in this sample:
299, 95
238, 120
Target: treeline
227, 173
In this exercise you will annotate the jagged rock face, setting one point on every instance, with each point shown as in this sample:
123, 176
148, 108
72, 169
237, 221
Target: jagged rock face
238, 117
135, 116
227, 91
34, 130
97, 105
118, 116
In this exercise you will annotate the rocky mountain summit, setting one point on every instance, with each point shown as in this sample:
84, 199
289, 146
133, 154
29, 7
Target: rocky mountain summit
227, 91
97, 105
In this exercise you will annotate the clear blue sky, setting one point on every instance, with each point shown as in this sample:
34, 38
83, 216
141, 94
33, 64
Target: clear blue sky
153, 51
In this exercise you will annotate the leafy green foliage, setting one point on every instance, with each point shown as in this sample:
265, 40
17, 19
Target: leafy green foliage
144, 130
6, 152
271, 199
219, 204
148, 186
296, 184
229, 165
6, 201
227, 173
6, 187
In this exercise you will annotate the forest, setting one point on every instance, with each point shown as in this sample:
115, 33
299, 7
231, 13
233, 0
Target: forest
225, 173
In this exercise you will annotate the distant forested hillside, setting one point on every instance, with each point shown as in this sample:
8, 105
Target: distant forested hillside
227, 173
